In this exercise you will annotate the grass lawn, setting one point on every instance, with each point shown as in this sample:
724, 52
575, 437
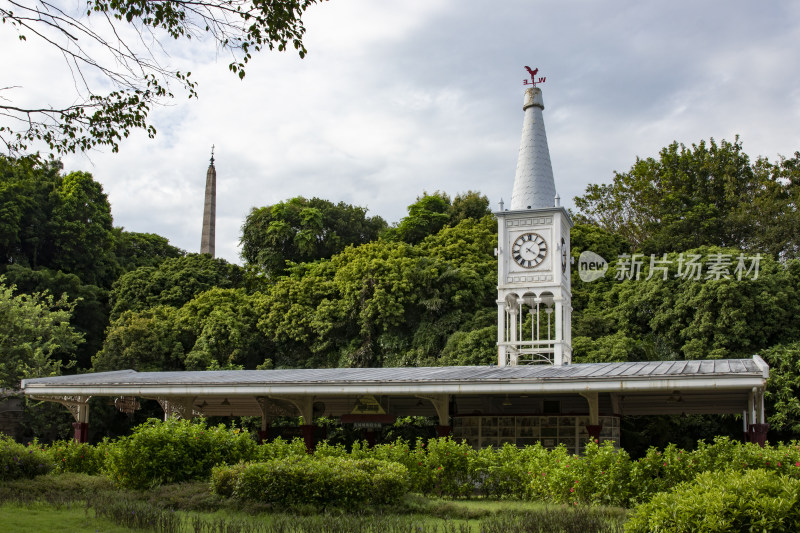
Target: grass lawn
38, 517
58, 502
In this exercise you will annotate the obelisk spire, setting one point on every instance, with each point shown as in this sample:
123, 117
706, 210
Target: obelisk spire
534, 187
210, 210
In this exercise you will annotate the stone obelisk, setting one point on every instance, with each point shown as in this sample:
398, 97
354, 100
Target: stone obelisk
210, 210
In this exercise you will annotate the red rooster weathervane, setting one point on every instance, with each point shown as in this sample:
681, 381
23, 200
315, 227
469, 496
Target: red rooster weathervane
533, 81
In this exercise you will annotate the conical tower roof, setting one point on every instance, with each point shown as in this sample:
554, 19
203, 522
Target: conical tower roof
534, 187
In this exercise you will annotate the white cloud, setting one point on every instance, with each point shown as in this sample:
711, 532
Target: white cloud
399, 97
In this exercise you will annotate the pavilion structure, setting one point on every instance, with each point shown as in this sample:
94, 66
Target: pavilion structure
533, 393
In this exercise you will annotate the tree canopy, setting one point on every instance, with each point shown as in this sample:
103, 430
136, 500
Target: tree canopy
432, 212
116, 54
301, 230
709, 194
173, 282
89, 305
34, 333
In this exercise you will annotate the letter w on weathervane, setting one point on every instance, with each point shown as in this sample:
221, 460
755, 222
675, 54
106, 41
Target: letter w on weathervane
533, 81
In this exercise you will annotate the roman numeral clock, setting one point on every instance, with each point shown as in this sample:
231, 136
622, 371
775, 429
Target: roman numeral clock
529, 250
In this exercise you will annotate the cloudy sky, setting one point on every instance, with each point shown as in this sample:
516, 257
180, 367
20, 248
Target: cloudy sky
396, 98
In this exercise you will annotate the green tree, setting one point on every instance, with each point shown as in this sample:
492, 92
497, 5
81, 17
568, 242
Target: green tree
215, 329
34, 335
783, 389
427, 216
149, 340
173, 282
27, 199
383, 303
223, 324
80, 231
90, 304
470, 204
774, 215
133, 250
301, 230
703, 195
118, 67
685, 318
432, 212
60, 222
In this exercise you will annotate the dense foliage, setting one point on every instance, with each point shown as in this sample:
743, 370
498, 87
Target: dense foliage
757, 500
36, 338
301, 230
57, 238
78, 457
173, 282
783, 388
283, 472
669, 317
20, 461
173, 451
319, 480
385, 303
709, 194
433, 212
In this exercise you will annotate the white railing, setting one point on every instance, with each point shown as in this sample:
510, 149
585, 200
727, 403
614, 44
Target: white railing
532, 352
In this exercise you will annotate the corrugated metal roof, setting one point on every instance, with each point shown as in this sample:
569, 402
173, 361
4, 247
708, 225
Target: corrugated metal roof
448, 374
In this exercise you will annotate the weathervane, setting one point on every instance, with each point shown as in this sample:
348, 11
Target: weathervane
533, 81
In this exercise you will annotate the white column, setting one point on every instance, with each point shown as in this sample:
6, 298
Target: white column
502, 356
512, 312
568, 334
558, 352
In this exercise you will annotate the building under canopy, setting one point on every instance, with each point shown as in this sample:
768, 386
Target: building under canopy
484, 405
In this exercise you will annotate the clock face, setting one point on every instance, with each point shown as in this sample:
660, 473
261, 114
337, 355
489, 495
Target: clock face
563, 255
529, 250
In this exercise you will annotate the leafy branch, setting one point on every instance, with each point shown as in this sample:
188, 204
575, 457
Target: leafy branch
121, 44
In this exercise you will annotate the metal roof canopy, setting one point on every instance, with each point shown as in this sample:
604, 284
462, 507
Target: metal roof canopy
726, 386
631, 377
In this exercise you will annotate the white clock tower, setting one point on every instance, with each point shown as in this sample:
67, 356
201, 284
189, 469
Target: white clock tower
534, 311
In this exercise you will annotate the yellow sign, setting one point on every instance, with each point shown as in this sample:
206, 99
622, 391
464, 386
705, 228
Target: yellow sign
368, 405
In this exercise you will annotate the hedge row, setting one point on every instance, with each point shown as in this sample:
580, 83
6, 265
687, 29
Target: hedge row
174, 450
337, 481
178, 450
756, 500
20, 461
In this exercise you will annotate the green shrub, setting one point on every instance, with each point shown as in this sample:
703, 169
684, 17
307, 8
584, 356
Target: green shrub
451, 465
502, 472
279, 448
297, 480
755, 500
20, 461
388, 480
551, 473
325, 449
420, 474
603, 476
81, 458
223, 478
174, 450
